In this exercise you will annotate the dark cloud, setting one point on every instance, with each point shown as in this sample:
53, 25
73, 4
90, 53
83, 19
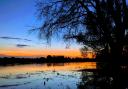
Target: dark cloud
14, 38
21, 45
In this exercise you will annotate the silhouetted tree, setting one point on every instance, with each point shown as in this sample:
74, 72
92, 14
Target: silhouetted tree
99, 24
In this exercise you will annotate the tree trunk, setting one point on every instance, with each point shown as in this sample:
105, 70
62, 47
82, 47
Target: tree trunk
116, 52
116, 57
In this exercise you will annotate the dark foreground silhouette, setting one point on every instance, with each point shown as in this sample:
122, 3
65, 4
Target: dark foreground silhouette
48, 59
104, 79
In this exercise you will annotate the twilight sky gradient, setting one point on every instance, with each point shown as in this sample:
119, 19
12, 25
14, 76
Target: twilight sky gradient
16, 19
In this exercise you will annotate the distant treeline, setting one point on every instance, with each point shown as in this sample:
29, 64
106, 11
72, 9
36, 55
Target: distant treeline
48, 59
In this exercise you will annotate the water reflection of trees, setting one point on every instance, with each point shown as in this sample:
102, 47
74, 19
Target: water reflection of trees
104, 80
55, 64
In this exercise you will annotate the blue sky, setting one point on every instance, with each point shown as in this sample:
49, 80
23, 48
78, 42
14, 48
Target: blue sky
16, 19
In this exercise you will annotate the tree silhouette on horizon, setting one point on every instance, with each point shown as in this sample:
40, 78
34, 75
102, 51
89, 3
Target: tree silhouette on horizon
99, 24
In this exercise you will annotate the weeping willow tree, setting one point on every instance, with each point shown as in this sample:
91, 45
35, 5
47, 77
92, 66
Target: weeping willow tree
99, 24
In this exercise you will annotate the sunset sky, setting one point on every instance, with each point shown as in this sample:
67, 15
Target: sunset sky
17, 17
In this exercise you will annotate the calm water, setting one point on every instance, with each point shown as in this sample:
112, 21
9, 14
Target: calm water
43, 76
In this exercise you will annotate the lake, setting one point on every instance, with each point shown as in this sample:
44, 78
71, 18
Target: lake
44, 76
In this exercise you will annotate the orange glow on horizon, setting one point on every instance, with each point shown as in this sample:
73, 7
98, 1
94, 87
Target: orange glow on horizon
89, 54
40, 53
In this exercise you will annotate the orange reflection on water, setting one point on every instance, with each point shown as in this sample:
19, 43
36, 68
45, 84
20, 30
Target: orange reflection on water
46, 67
